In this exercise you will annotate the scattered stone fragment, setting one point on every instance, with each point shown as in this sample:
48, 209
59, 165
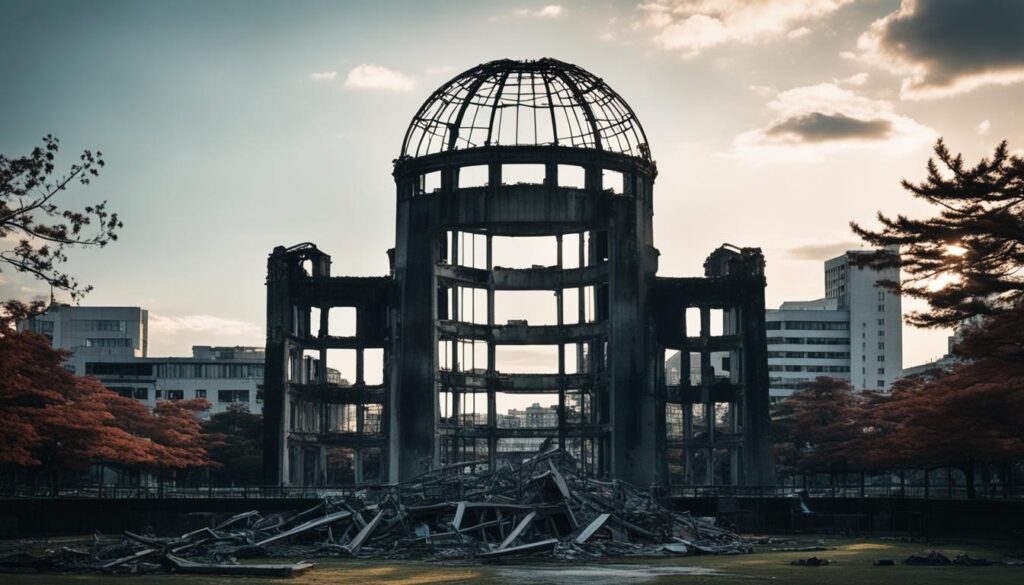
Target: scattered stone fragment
811, 562
932, 557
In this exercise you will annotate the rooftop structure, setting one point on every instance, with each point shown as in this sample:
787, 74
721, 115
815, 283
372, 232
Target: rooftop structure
523, 270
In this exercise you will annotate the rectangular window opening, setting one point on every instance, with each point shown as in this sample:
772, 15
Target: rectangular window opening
373, 366
525, 307
572, 177
471, 304
430, 182
613, 181
473, 176
341, 366
524, 252
341, 321
717, 322
526, 359
314, 322
526, 411
571, 250
692, 321
523, 174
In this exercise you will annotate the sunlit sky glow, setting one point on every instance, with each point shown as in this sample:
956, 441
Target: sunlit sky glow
231, 127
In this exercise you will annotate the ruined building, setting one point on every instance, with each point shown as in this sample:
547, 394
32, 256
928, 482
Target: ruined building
504, 155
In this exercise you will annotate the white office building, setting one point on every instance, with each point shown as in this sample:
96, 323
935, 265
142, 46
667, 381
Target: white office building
854, 333
111, 343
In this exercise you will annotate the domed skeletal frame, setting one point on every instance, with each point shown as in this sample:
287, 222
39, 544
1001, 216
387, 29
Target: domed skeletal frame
525, 103
628, 420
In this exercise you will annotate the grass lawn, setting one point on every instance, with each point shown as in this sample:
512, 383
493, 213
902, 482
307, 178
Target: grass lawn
852, 560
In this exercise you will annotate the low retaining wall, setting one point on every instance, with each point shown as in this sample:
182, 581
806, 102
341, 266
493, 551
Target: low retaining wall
978, 518
917, 516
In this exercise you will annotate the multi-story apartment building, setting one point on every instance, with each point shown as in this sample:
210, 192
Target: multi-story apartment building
854, 333
221, 375
112, 344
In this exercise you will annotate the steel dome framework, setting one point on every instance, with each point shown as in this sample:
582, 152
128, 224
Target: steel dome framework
616, 407
525, 103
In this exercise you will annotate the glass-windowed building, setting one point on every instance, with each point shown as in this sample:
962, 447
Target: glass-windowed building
853, 334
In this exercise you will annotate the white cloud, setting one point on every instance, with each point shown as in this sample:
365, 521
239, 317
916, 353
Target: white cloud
984, 126
858, 80
812, 121
549, 11
161, 324
693, 26
944, 48
442, 70
796, 33
323, 75
376, 77
762, 90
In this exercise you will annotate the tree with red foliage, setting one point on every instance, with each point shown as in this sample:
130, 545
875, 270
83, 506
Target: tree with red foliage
972, 413
814, 427
51, 418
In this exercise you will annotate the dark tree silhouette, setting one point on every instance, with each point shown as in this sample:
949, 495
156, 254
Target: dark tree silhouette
814, 427
236, 439
44, 230
969, 259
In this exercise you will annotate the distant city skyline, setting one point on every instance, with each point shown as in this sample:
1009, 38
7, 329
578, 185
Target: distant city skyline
229, 127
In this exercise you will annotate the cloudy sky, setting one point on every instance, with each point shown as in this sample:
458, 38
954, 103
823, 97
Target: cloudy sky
232, 127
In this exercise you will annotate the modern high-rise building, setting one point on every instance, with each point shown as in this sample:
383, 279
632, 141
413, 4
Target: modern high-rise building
854, 333
93, 333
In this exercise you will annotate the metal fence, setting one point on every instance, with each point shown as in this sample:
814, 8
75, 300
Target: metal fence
96, 491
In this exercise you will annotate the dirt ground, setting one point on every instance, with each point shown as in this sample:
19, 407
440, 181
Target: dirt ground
851, 563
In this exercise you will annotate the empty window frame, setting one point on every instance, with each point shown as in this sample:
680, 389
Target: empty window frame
526, 359
613, 181
341, 366
341, 321
691, 321
373, 366
473, 176
462, 407
695, 370
467, 249
571, 252
341, 418
462, 355
522, 307
572, 176
468, 305
523, 174
524, 252
526, 411
717, 322
314, 322
579, 406
430, 182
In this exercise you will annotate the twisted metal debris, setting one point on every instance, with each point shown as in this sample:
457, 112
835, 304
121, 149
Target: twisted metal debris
539, 507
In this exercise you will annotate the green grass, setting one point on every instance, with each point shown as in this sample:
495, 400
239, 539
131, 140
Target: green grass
852, 560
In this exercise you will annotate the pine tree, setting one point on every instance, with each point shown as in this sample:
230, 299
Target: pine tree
968, 260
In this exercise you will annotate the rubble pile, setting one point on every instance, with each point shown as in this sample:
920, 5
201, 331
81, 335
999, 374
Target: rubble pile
539, 507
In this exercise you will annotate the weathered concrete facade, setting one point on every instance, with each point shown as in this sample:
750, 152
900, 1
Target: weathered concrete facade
433, 317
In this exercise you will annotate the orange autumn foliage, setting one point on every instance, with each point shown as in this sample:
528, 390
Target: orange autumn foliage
49, 417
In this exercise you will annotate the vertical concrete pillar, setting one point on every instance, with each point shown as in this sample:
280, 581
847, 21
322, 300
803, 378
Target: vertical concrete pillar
414, 401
